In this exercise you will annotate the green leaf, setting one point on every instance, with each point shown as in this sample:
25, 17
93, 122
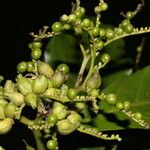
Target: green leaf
63, 48
134, 88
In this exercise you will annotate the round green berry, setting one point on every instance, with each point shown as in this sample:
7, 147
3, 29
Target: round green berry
103, 6
119, 105
78, 31
125, 22
128, 28
72, 18
30, 66
118, 31
36, 53
94, 92
57, 27
105, 58
99, 45
63, 67
51, 144
109, 34
36, 44
95, 31
82, 9
78, 13
52, 118
72, 93
127, 105
64, 17
66, 27
86, 23
129, 14
22, 67
102, 32
111, 99
138, 116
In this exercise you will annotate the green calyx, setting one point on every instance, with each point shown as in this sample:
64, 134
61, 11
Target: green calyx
6, 125
23, 84
39, 84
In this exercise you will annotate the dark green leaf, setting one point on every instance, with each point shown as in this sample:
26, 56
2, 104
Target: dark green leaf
134, 88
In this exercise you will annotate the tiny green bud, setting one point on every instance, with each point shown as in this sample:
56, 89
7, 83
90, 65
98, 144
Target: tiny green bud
3, 102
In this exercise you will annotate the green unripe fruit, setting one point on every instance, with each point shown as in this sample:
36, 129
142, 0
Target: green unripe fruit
66, 27
119, 105
78, 31
39, 84
80, 106
94, 81
65, 127
103, 6
72, 93
127, 105
59, 110
102, 32
129, 15
36, 53
72, 18
95, 31
119, 31
31, 66
97, 9
111, 99
94, 92
57, 27
86, 23
138, 116
58, 79
2, 113
52, 118
110, 34
64, 17
75, 119
128, 28
125, 22
6, 125
36, 44
51, 144
3, 102
78, 13
10, 110
99, 45
31, 100
24, 85
45, 69
82, 9
105, 58
22, 67
9, 86
15, 97
64, 68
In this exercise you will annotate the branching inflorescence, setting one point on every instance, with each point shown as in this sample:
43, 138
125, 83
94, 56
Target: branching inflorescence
62, 109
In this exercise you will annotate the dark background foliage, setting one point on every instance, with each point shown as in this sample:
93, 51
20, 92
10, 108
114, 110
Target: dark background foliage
20, 17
